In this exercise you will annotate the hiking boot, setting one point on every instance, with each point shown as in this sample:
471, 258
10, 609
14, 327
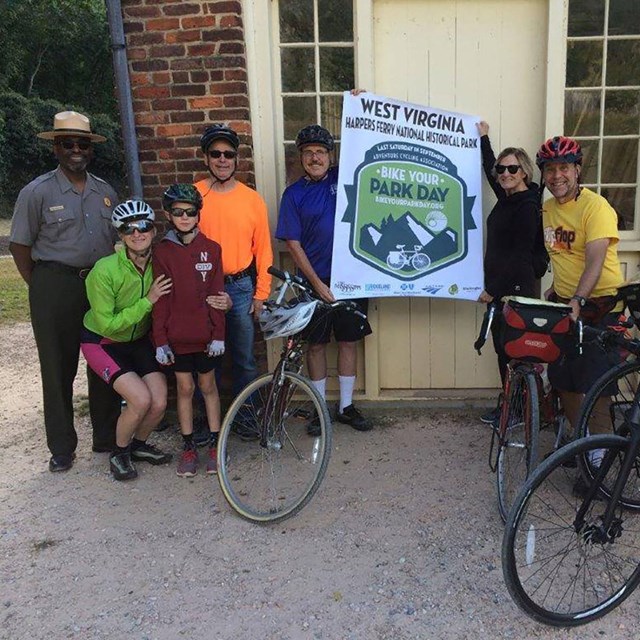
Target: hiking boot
313, 426
491, 417
188, 464
61, 462
351, 416
145, 452
212, 461
121, 466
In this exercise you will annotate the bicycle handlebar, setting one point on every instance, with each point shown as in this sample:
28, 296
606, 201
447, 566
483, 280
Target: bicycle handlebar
297, 281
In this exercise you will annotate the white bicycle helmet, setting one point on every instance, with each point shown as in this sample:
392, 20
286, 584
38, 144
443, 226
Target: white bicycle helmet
130, 211
285, 321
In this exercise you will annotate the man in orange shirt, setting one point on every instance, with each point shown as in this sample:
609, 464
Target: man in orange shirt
235, 216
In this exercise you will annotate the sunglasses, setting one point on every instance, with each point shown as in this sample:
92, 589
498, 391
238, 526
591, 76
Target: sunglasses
68, 145
192, 212
141, 226
511, 168
229, 155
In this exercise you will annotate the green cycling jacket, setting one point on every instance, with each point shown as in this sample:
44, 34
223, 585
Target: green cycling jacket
117, 292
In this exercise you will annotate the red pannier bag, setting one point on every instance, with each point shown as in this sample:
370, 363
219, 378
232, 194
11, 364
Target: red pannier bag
535, 330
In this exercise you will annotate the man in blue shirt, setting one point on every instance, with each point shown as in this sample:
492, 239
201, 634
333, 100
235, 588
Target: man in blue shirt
306, 222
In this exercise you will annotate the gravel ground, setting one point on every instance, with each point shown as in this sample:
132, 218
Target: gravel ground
402, 541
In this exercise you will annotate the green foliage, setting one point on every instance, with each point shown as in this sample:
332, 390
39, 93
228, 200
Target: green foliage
14, 300
25, 156
57, 49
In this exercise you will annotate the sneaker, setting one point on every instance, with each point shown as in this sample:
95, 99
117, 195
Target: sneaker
245, 430
146, 452
188, 464
121, 466
313, 426
212, 461
353, 417
491, 417
596, 456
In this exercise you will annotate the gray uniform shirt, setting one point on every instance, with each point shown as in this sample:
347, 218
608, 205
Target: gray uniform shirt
62, 225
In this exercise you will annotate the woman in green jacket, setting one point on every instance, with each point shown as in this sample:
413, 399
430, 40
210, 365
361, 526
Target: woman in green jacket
115, 340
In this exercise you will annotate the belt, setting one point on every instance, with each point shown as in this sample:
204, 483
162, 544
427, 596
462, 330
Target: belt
232, 277
81, 272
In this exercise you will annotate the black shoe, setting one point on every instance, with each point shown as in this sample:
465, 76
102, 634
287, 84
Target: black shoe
491, 417
145, 452
313, 426
121, 466
353, 417
246, 429
61, 462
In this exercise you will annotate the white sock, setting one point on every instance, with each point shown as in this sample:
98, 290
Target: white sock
321, 386
346, 391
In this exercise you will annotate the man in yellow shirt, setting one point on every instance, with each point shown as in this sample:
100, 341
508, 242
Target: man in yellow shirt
235, 216
581, 236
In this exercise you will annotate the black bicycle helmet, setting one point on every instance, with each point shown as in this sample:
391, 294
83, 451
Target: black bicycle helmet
559, 149
315, 134
181, 193
219, 132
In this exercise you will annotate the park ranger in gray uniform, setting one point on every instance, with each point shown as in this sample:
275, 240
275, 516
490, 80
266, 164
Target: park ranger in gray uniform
61, 226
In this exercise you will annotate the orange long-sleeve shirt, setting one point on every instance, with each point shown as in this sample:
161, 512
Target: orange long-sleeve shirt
237, 220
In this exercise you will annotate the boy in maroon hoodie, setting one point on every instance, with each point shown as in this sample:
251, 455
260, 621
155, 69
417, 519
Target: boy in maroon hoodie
187, 331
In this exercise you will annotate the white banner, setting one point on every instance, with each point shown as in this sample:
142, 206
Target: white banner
408, 219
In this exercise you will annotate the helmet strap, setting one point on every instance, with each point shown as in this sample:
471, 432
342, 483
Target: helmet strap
185, 237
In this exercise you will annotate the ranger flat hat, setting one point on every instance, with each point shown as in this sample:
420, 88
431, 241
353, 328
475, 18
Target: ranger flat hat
71, 123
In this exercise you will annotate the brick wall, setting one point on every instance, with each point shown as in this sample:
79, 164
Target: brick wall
188, 69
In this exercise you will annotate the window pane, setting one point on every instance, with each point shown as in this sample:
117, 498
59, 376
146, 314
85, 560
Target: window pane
335, 20
624, 202
621, 112
297, 69
293, 168
624, 17
586, 17
298, 112
582, 113
589, 161
336, 68
620, 161
584, 64
331, 113
623, 62
296, 20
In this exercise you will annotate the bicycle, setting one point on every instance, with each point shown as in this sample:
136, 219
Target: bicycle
528, 405
398, 260
273, 475
571, 548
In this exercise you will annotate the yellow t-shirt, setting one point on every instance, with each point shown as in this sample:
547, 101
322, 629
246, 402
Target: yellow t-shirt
567, 230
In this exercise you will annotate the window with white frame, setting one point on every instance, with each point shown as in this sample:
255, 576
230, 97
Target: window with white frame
602, 99
317, 63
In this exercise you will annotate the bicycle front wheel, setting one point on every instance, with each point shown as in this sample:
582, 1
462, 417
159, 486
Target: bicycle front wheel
559, 564
273, 475
603, 412
518, 438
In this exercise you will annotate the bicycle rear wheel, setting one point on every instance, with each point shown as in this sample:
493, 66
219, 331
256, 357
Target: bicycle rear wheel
560, 567
273, 476
518, 443
603, 412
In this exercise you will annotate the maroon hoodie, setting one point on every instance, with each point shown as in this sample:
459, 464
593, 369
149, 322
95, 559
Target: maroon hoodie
183, 319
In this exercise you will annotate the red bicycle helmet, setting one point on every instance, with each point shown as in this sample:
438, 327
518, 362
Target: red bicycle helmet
559, 149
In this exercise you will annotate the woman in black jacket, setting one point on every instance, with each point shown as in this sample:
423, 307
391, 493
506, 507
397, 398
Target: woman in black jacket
512, 234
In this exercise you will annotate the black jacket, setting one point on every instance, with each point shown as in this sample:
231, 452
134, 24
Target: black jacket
512, 226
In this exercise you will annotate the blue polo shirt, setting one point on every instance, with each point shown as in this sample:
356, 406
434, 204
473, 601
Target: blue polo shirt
307, 213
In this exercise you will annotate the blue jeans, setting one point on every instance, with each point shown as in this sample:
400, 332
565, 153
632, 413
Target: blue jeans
240, 333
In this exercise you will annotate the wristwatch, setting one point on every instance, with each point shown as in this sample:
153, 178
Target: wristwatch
581, 300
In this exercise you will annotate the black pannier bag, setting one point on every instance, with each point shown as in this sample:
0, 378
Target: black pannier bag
535, 330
